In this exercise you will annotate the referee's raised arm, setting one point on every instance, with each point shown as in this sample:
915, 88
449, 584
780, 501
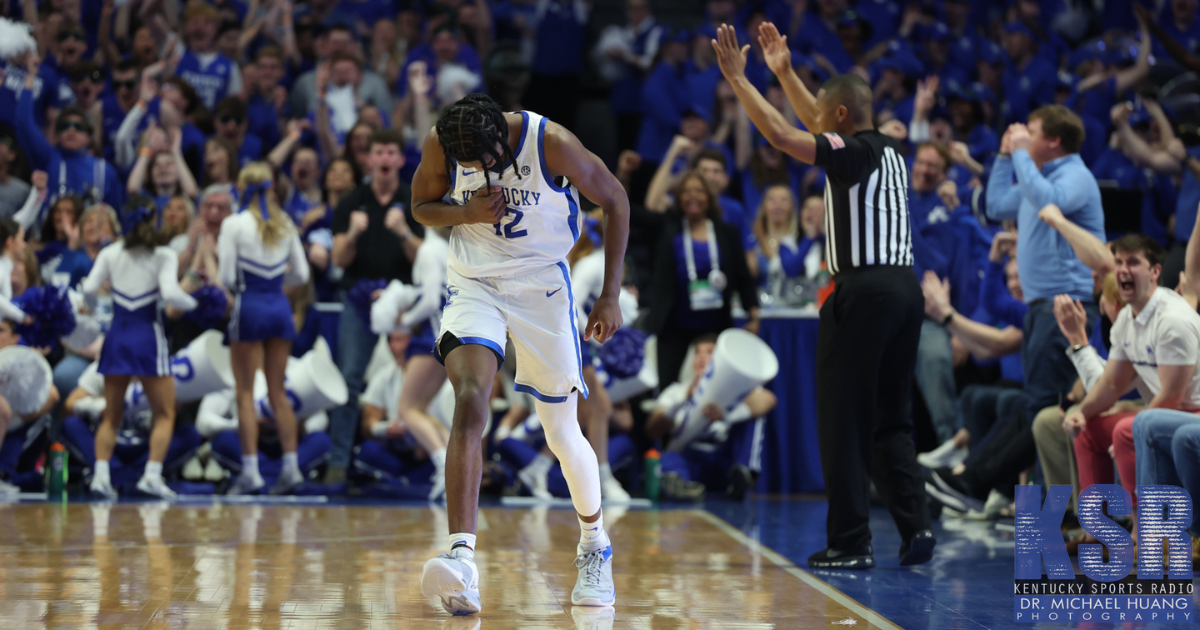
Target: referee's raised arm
797, 143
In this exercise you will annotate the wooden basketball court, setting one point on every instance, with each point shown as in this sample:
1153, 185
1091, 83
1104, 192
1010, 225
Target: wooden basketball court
153, 565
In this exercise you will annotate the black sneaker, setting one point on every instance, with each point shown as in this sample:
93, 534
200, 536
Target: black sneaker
848, 560
740, 481
678, 488
951, 491
918, 549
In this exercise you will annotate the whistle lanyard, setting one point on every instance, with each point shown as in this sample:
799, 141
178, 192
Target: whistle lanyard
690, 257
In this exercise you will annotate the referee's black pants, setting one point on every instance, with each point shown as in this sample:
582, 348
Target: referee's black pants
866, 356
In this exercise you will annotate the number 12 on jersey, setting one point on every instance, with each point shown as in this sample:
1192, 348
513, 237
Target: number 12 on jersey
509, 231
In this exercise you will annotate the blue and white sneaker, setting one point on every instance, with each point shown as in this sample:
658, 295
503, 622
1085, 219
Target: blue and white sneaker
455, 580
595, 584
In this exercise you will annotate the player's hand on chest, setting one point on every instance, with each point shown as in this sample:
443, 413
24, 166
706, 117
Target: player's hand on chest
503, 208
486, 207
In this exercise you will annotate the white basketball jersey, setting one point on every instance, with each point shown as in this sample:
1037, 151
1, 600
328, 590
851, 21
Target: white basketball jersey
543, 219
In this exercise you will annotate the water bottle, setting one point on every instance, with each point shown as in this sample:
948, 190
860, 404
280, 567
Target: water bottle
56, 473
653, 473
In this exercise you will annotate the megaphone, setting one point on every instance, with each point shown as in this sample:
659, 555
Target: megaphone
395, 299
25, 379
203, 367
313, 383
740, 362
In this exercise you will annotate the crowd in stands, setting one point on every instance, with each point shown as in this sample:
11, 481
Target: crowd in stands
1035, 131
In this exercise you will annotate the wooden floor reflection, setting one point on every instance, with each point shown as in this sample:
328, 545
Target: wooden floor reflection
133, 565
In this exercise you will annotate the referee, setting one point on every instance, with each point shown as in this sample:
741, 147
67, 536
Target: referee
871, 325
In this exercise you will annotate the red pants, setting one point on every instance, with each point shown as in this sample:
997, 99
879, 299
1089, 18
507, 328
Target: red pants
1091, 451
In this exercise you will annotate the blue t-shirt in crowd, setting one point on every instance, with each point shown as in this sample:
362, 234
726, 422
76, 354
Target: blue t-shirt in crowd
1185, 205
1026, 90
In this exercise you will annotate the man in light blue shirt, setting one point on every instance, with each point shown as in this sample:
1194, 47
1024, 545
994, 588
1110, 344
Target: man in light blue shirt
1044, 156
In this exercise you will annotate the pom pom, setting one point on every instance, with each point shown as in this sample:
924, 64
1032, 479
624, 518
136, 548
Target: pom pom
623, 354
360, 296
211, 307
15, 39
53, 316
25, 379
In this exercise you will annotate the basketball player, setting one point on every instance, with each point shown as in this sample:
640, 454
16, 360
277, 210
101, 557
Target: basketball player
513, 182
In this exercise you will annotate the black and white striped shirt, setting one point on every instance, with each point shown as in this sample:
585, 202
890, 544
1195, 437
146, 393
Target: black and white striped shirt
866, 201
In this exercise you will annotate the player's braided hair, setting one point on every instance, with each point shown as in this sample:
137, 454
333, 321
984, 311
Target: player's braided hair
468, 131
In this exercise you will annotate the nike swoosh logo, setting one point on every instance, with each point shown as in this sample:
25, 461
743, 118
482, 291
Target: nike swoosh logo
550, 293
469, 172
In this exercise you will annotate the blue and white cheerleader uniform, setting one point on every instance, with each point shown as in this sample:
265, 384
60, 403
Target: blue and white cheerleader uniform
257, 274
142, 280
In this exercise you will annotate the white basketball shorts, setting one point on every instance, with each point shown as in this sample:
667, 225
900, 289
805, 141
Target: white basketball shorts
538, 311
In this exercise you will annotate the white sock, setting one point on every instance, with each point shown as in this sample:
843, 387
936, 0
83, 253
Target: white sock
605, 472
250, 466
153, 469
592, 536
464, 543
290, 463
438, 458
100, 475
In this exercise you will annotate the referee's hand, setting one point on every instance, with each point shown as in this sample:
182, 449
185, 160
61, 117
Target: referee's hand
730, 57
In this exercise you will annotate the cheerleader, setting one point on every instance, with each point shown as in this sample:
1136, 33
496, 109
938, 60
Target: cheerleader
141, 272
260, 254
424, 375
12, 238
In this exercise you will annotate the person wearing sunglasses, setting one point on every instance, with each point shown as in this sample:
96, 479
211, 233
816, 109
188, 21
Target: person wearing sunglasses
116, 102
87, 82
67, 49
230, 123
71, 167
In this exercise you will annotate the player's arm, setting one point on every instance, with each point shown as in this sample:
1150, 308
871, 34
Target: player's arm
431, 184
568, 157
773, 126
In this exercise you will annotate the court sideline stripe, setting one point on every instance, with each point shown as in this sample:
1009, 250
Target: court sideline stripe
865, 613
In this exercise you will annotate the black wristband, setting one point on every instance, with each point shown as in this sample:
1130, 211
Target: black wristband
946, 321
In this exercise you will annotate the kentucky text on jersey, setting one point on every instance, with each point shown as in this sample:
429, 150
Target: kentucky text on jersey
206, 84
512, 196
15, 81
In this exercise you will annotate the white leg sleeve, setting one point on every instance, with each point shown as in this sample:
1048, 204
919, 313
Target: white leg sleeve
565, 439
